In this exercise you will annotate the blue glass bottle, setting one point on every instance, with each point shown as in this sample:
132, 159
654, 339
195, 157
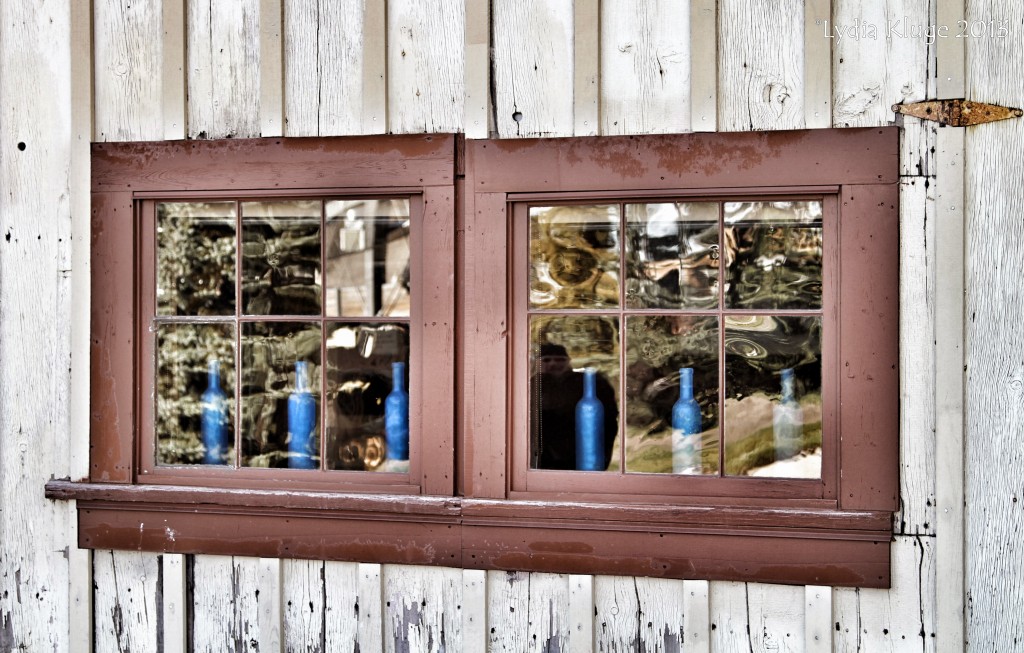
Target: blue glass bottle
214, 418
590, 426
787, 420
302, 421
686, 427
396, 415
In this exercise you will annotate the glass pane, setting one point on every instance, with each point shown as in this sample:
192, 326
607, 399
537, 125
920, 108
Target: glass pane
195, 258
367, 258
195, 394
281, 395
775, 254
574, 364
672, 255
367, 415
672, 394
281, 258
773, 396
574, 256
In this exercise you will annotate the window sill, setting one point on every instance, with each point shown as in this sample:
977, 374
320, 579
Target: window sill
802, 545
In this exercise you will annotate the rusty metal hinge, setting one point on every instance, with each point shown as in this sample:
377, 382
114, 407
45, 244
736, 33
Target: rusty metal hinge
958, 112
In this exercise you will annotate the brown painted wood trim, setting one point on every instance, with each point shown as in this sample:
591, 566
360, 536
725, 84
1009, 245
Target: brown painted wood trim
269, 163
777, 545
437, 369
485, 386
698, 160
112, 338
869, 330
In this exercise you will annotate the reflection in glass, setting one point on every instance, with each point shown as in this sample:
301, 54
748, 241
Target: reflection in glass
359, 379
672, 255
574, 256
774, 254
195, 258
270, 351
657, 347
281, 257
773, 396
561, 348
185, 355
367, 258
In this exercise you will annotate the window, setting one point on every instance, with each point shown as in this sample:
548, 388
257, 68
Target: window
255, 303
757, 270
280, 288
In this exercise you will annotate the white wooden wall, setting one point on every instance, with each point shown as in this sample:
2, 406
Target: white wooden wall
239, 68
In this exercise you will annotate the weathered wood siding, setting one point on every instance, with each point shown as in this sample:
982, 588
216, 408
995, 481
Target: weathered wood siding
994, 201
554, 68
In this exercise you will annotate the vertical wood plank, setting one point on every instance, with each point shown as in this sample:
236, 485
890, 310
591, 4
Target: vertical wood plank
425, 66
270, 605
223, 69
128, 70
375, 62
478, 110
662, 615
761, 71
172, 72
727, 611
533, 55
951, 362
174, 608
304, 601
424, 607
617, 613
995, 370
703, 65
225, 613
776, 617
901, 618
581, 613
125, 601
871, 75
341, 606
35, 298
271, 61
324, 48
817, 66
79, 560
371, 601
917, 358
645, 67
696, 617
586, 67
817, 619
529, 612
846, 613
474, 610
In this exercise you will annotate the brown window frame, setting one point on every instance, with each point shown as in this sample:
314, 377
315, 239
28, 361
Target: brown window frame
693, 527
464, 505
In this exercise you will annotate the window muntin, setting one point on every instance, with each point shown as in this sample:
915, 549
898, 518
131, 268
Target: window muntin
751, 348
253, 373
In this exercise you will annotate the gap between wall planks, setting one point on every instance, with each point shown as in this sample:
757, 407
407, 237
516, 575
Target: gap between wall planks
950, 564
478, 120
817, 65
271, 66
703, 65
173, 69
80, 597
586, 40
375, 112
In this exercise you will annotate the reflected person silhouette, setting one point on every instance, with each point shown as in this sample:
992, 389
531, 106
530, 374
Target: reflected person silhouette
554, 391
